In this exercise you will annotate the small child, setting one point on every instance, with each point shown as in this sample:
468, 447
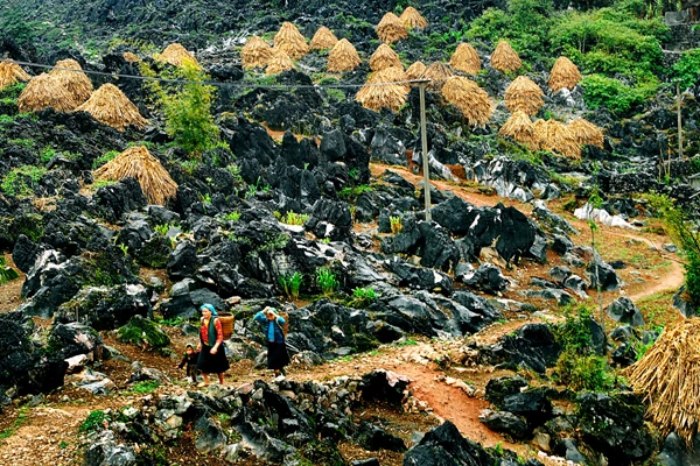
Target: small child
190, 359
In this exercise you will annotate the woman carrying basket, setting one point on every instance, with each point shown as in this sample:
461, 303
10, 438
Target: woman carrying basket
277, 356
212, 358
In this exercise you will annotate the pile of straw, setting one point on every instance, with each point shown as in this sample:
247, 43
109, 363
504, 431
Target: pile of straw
668, 377
279, 62
438, 74
11, 73
384, 57
556, 137
343, 57
45, 91
416, 71
586, 133
110, 106
256, 53
520, 128
564, 74
412, 19
131, 57
324, 39
466, 59
380, 91
390, 29
136, 162
504, 58
469, 98
177, 55
69, 74
290, 40
524, 95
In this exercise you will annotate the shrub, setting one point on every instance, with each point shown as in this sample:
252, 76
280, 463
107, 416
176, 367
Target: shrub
293, 218
231, 217
601, 91
104, 158
94, 421
352, 192
145, 387
686, 71
584, 372
143, 332
326, 280
291, 284
21, 181
6, 273
364, 296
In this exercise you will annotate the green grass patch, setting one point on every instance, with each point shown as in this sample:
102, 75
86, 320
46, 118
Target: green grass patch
94, 421
144, 387
16, 424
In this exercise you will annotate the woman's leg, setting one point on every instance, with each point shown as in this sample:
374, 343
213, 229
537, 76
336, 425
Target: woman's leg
205, 376
221, 378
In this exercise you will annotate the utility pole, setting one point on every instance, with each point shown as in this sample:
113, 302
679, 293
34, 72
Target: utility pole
422, 84
680, 122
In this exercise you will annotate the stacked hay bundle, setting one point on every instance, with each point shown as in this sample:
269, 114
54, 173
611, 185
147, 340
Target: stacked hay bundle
390, 29
256, 53
291, 41
45, 91
524, 95
11, 73
564, 74
130, 57
416, 71
469, 98
668, 377
412, 19
136, 162
586, 133
556, 137
504, 58
382, 91
384, 57
520, 128
466, 59
324, 39
279, 62
438, 74
69, 74
343, 57
110, 106
177, 55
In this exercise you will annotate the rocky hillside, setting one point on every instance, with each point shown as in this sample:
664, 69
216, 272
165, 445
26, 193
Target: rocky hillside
561, 241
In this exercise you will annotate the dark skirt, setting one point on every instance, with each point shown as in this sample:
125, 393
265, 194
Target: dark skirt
277, 356
212, 363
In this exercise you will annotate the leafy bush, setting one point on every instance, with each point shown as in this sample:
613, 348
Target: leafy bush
22, 181
104, 158
291, 284
601, 91
293, 218
143, 332
326, 280
686, 71
352, 192
6, 273
94, 421
231, 216
363, 296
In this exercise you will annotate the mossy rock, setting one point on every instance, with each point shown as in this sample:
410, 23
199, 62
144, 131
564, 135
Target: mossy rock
142, 332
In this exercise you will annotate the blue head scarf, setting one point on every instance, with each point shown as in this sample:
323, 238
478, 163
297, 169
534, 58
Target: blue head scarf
211, 331
210, 308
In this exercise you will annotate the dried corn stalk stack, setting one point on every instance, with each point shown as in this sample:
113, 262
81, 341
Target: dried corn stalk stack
412, 19
556, 137
438, 74
136, 162
177, 55
466, 59
524, 95
416, 71
668, 377
384, 57
564, 74
69, 74
390, 29
343, 57
45, 91
504, 58
519, 127
256, 53
110, 106
384, 89
469, 98
291, 41
130, 57
586, 133
279, 62
11, 73
324, 39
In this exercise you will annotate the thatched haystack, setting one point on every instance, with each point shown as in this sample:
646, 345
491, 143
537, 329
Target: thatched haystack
69, 74
324, 39
384, 57
504, 58
416, 71
11, 73
469, 98
586, 133
390, 29
279, 62
382, 91
256, 53
343, 57
130, 57
438, 74
291, 41
564, 74
110, 106
524, 95
519, 127
556, 137
45, 91
466, 59
668, 377
177, 55
136, 162
412, 19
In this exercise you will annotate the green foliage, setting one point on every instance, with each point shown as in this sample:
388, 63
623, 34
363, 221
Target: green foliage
335, 95
686, 71
276, 242
190, 166
407, 342
21, 181
94, 421
352, 192
326, 280
6, 273
396, 224
102, 183
104, 158
231, 216
291, 284
601, 91
16, 424
47, 154
12, 92
143, 332
293, 218
364, 294
145, 387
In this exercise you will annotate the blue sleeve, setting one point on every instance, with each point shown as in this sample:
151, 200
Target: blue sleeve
260, 317
280, 320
